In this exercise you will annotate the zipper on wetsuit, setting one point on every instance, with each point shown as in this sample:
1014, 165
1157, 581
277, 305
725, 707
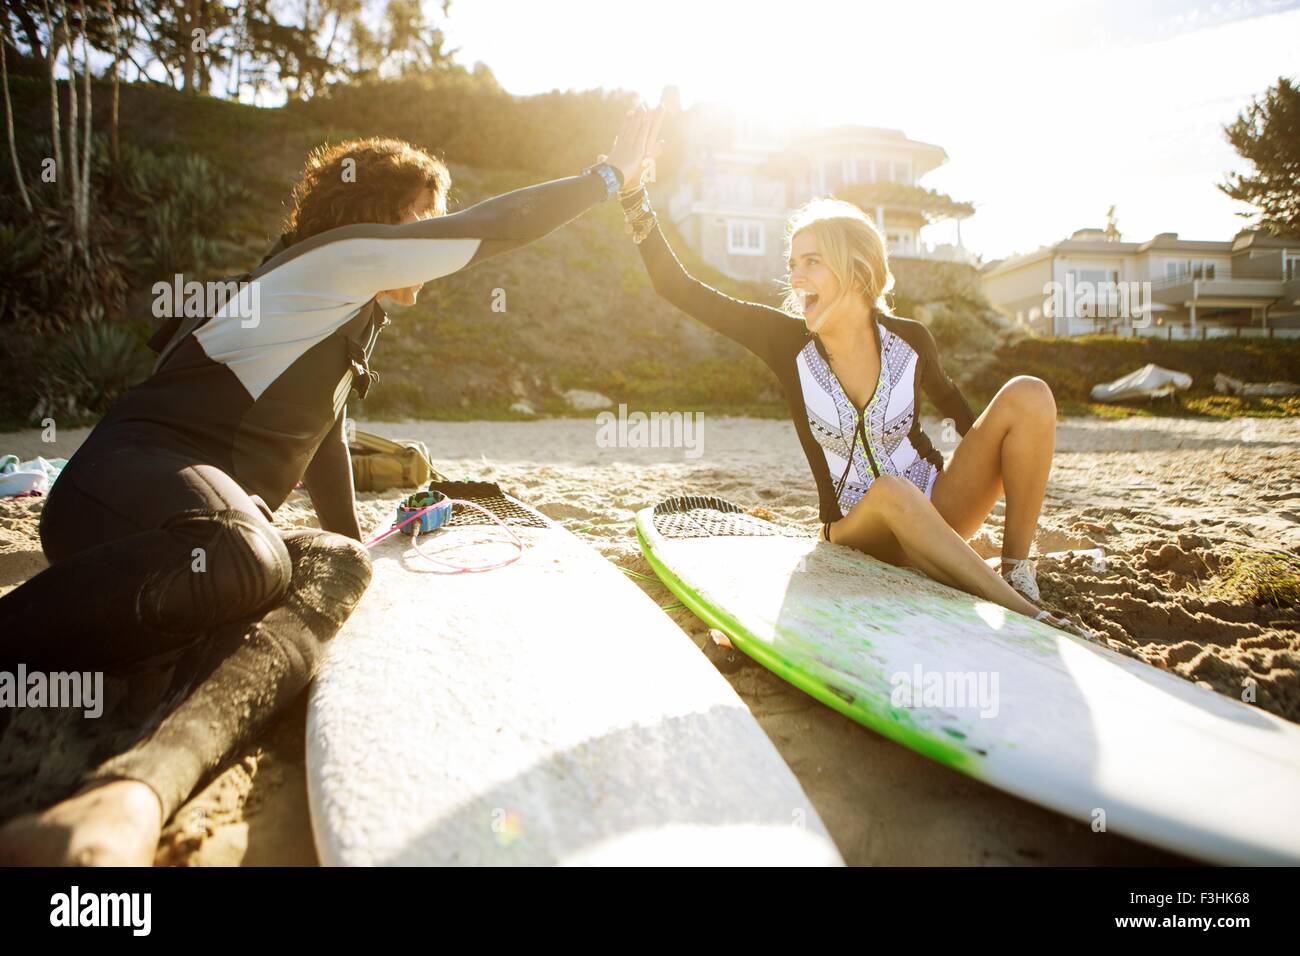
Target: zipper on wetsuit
860, 426
866, 445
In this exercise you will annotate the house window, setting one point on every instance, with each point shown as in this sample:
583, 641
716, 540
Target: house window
902, 173
734, 188
744, 193
1105, 297
1291, 266
744, 237
1190, 269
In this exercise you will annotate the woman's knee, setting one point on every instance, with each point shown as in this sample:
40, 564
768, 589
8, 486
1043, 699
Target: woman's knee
330, 574
1029, 395
890, 494
286, 645
872, 524
228, 565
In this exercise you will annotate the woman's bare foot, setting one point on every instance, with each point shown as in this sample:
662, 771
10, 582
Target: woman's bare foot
108, 824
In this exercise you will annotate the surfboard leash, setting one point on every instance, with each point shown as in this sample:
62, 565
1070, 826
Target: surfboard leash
433, 510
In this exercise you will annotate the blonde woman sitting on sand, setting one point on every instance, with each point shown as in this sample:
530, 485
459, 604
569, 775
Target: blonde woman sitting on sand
853, 375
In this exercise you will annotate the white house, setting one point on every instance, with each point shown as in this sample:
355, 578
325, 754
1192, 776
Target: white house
1188, 288
740, 182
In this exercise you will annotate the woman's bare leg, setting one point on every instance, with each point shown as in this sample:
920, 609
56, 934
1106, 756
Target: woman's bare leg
1009, 448
894, 522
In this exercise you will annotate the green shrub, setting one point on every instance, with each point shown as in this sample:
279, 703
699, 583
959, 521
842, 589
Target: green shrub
93, 366
1072, 366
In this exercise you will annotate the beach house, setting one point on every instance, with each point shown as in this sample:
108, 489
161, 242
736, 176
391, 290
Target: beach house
1169, 287
740, 179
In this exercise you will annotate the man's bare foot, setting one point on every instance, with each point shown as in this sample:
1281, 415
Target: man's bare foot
109, 824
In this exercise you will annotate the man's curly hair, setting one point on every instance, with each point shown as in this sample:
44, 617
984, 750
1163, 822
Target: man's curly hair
381, 183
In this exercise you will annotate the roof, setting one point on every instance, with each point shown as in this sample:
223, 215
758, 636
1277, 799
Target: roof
1017, 260
1163, 242
1169, 242
874, 136
1258, 239
869, 134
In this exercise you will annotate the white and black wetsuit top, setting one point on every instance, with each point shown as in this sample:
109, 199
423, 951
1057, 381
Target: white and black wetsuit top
257, 399
847, 448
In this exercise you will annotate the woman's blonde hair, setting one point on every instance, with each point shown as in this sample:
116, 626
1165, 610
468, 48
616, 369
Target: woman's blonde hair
851, 246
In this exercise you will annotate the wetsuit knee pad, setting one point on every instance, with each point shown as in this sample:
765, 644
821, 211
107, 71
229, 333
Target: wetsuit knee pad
330, 573
228, 565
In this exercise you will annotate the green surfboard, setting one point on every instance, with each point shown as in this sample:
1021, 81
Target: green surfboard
1065, 723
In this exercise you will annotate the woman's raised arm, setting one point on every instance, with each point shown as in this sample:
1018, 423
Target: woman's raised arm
760, 328
356, 262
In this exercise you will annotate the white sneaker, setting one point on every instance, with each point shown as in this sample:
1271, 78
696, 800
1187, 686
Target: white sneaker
1069, 625
1023, 576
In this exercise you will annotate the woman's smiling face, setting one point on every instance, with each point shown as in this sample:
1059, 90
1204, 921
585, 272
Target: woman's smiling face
813, 281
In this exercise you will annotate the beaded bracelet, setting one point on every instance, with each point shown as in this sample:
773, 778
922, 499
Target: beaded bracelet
639, 215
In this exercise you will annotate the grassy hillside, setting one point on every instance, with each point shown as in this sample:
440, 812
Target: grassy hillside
578, 308
578, 313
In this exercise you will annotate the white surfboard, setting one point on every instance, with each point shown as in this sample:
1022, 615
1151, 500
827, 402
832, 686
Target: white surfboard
542, 713
1065, 723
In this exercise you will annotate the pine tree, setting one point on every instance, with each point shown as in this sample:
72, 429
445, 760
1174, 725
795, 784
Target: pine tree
1267, 133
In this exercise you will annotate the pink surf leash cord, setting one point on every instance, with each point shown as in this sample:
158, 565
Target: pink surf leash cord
449, 503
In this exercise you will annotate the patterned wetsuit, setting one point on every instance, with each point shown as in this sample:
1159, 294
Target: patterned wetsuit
847, 447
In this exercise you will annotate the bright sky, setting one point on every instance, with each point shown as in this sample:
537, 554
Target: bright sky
1049, 112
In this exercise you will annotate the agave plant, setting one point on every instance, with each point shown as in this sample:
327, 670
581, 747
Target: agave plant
169, 242
93, 365
176, 204
20, 250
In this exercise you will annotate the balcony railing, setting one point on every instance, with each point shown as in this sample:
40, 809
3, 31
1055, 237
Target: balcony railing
1212, 275
1178, 332
940, 253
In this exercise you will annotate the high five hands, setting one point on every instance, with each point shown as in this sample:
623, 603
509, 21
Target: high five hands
638, 144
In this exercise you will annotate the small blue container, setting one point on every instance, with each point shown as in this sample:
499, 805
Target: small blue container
431, 520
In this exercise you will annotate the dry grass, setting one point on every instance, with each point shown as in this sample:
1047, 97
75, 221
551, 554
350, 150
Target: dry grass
1259, 577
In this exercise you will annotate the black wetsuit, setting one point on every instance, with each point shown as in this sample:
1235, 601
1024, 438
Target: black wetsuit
847, 447
158, 530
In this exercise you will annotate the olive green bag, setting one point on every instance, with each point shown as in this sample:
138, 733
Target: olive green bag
379, 464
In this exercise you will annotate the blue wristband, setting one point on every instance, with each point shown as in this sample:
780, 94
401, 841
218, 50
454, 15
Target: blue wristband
612, 177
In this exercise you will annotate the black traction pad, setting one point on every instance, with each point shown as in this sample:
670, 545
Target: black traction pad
486, 494
705, 516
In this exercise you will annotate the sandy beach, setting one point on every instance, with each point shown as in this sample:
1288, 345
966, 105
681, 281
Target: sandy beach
1168, 500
